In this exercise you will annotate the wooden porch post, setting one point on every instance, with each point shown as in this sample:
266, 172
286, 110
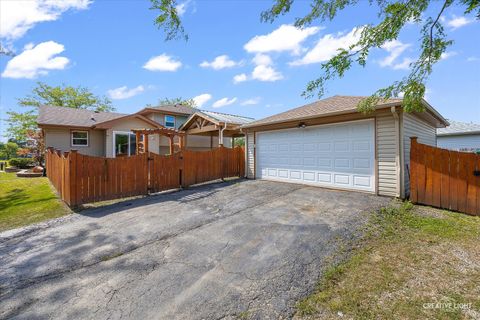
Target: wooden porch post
170, 137
137, 139
145, 143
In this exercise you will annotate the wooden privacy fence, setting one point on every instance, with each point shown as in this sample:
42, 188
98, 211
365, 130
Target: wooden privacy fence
82, 179
444, 178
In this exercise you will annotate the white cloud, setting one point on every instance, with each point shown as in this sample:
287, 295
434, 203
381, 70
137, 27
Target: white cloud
17, 17
404, 65
240, 78
266, 73
395, 48
250, 102
201, 99
223, 102
36, 60
124, 92
458, 22
328, 46
285, 38
220, 62
448, 54
182, 8
472, 59
162, 62
262, 59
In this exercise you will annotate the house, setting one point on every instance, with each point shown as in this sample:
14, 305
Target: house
460, 136
109, 134
328, 143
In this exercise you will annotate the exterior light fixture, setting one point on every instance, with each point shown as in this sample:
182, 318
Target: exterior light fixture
302, 125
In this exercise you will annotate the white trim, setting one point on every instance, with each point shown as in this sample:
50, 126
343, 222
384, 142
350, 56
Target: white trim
374, 176
165, 121
114, 154
79, 145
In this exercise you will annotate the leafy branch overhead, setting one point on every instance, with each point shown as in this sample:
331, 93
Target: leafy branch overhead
393, 15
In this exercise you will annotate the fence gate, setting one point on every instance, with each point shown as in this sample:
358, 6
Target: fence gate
444, 178
82, 179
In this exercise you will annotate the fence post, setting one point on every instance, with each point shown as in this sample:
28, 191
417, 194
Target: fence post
72, 162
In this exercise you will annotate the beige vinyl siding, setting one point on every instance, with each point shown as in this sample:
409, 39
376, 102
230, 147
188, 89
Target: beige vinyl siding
413, 126
127, 125
60, 138
251, 155
387, 148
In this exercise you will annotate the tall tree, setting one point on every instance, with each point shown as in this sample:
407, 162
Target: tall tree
393, 15
178, 100
65, 96
20, 123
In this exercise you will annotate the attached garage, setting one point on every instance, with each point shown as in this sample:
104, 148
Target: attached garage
329, 144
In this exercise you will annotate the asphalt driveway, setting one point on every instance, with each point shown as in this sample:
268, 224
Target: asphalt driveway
243, 249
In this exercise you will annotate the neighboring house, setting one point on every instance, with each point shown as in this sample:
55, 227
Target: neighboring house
328, 143
460, 136
109, 134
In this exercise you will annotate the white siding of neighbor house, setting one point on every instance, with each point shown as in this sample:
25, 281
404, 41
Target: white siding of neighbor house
459, 142
413, 126
387, 149
250, 155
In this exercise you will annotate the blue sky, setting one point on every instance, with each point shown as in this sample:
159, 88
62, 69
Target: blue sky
232, 62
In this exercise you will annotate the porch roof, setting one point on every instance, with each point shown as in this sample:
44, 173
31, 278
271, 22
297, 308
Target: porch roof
209, 122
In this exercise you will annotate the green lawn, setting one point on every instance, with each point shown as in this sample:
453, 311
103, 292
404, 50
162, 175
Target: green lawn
25, 201
415, 263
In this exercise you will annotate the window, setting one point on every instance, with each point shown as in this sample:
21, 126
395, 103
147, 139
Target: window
79, 138
169, 121
125, 143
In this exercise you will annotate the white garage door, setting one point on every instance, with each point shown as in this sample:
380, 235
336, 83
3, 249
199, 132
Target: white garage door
338, 155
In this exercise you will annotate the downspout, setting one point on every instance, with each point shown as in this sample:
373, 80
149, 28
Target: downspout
220, 135
397, 149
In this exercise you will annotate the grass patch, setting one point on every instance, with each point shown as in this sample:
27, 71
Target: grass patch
24, 201
414, 263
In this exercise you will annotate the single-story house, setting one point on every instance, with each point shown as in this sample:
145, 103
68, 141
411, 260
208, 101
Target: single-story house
109, 134
329, 143
460, 136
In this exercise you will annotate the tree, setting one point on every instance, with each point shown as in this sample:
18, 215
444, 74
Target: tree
20, 123
65, 96
393, 14
8, 150
179, 100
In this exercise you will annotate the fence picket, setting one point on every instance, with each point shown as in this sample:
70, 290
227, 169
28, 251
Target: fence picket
449, 177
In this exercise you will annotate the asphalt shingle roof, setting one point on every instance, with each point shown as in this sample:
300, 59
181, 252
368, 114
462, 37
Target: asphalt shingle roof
227, 118
457, 127
176, 108
63, 116
319, 108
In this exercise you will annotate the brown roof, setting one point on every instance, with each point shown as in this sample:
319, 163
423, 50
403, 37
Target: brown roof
173, 108
63, 116
321, 108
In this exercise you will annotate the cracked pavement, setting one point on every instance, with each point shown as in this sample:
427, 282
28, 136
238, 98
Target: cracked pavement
247, 249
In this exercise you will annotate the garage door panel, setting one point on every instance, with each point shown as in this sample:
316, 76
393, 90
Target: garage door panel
333, 155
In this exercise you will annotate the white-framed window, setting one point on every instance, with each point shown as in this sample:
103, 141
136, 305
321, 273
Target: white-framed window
79, 138
169, 121
125, 143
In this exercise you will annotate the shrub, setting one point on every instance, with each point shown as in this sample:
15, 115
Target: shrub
21, 163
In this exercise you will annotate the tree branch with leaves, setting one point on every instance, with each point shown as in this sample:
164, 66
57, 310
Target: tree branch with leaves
393, 14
